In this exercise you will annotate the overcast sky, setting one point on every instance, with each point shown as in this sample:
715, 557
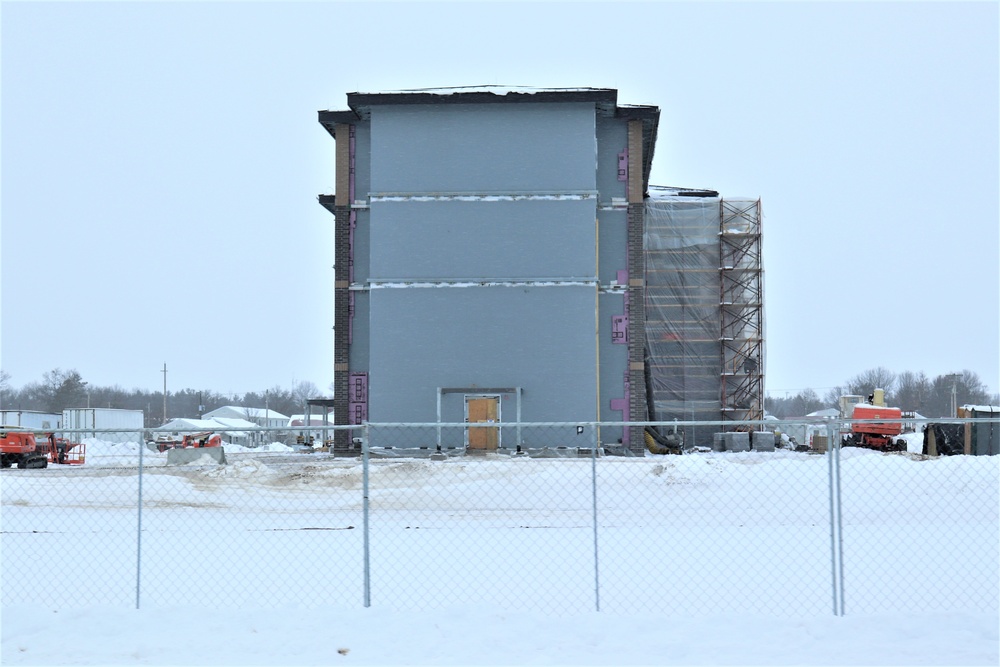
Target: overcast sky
160, 166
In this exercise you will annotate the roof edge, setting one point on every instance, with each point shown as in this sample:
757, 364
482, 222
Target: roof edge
498, 95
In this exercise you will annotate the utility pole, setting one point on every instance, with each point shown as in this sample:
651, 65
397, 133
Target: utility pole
164, 371
954, 377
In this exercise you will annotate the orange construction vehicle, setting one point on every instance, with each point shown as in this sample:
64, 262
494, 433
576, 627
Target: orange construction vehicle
876, 435
18, 447
205, 439
24, 448
61, 450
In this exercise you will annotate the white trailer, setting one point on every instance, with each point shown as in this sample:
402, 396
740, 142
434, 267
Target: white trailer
34, 419
128, 424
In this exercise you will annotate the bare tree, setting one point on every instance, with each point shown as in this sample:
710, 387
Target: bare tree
303, 391
4, 386
831, 398
806, 401
863, 384
968, 387
913, 391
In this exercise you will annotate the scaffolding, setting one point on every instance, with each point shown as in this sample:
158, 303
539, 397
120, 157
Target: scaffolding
704, 309
741, 303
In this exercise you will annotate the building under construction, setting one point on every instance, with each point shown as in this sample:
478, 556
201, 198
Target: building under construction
501, 257
704, 309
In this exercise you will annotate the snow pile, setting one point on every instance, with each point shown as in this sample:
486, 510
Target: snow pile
243, 469
270, 447
104, 453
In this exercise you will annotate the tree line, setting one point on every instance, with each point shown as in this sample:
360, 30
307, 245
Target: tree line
909, 391
60, 389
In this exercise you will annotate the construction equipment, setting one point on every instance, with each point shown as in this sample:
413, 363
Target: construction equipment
204, 439
657, 443
18, 447
196, 445
61, 450
873, 435
165, 442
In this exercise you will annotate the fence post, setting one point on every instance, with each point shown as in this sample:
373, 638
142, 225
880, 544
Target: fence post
840, 525
836, 525
138, 539
367, 558
593, 486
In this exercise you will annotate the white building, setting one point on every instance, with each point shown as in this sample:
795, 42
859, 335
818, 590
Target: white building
234, 430
259, 416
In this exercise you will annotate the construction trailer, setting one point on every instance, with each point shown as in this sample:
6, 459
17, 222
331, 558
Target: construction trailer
128, 423
496, 262
33, 419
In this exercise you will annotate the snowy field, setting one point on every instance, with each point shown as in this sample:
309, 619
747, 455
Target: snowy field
715, 558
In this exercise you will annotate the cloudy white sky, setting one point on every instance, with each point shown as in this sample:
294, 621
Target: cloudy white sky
161, 161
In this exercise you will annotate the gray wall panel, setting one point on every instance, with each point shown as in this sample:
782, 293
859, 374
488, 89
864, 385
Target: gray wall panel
539, 338
614, 363
612, 138
613, 236
362, 246
483, 148
483, 239
358, 353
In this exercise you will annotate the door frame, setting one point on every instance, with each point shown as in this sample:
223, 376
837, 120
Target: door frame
499, 402
516, 392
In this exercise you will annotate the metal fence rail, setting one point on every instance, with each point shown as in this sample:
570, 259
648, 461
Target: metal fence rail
516, 516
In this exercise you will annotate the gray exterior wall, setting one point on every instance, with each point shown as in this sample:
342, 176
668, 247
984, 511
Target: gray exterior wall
614, 363
529, 214
612, 139
484, 240
538, 338
360, 347
483, 148
613, 243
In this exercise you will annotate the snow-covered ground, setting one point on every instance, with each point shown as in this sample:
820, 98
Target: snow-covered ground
704, 559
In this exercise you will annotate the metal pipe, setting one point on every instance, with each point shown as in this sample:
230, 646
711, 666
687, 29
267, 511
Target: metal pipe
833, 538
138, 541
367, 553
593, 486
840, 528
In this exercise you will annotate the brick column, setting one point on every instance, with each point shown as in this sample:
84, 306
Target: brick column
636, 288
636, 326
341, 291
341, 300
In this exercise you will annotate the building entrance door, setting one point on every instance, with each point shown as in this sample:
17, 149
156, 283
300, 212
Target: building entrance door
482, 410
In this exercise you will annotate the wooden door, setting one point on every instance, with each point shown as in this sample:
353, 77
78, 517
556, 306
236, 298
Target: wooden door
483, 410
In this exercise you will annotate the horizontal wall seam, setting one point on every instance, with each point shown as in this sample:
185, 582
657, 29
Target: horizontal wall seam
400, 284
377, 197
603, 288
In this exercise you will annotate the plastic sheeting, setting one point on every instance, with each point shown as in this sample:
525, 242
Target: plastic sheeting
683, 314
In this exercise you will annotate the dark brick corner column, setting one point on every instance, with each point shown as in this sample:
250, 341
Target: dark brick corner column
636, 326
341, 299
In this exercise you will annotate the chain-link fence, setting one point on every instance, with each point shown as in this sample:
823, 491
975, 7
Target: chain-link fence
519, 516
